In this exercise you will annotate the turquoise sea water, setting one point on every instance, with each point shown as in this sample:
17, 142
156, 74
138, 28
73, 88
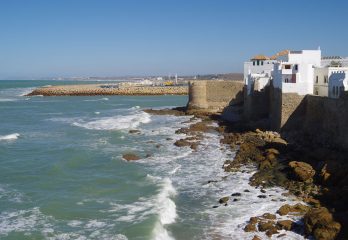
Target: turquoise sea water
62, 175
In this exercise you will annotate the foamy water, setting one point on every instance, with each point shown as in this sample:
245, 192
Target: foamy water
9, 137
63, 176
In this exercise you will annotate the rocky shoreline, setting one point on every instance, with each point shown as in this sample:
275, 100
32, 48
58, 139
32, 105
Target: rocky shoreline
290, 165
104, 90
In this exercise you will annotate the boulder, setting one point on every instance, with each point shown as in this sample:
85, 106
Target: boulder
319, 223
269, 216
302, 171
285, 225
250, 227
256, 238
224, 200
130, 157
265, 226
134, 131
297, 208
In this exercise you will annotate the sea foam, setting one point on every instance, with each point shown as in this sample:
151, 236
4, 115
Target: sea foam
116, 122
10, 137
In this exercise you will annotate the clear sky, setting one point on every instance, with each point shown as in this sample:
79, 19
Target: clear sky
144, 37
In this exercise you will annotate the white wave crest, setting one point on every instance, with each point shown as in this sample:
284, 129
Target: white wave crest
116, 122
166, 210
9, 137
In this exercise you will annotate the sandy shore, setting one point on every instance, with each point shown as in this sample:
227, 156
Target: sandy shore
102, 89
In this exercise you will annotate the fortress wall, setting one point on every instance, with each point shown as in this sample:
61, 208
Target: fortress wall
214, 95
326, 120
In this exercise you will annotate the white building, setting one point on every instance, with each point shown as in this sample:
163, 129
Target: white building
258, 72
294, 71
330, 81
334, 61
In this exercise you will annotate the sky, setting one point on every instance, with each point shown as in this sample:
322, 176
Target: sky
52, 38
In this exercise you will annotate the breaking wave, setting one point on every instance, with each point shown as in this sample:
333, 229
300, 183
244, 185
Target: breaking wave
9, 137
116, 122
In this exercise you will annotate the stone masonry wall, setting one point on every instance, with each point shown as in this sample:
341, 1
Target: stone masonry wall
214, 95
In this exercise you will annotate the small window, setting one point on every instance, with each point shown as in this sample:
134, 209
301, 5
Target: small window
296, 67
287, 66
317, 79
258, 62
261, 63
254, 63
325, 79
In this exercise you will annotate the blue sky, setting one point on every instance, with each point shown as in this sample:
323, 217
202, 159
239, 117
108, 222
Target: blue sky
144, 37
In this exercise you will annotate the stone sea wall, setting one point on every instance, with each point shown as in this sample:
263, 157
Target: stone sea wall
100, 89
214, 95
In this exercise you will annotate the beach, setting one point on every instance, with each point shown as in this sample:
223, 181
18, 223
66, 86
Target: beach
108, 89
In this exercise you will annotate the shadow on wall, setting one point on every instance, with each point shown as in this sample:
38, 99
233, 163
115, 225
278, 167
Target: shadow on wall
319, 120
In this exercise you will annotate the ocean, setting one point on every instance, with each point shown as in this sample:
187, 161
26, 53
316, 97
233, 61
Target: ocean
62, 175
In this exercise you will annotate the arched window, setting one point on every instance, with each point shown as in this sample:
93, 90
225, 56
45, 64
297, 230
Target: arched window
317, 79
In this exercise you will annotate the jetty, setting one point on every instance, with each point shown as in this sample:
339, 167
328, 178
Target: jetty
108, 89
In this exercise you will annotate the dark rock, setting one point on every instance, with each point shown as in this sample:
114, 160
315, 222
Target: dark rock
224, 200
285, 225
134, 131
236, 194
215, 206
256, 238
246, 190
250, 228
235, 199
263, 191
297, 208
262, 196
130, 157
265, 226
269, 216
302, 171
319, 223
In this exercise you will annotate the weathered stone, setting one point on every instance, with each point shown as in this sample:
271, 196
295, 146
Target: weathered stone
284, 225
319, 223
130, 157
250, 227
297, 208
302, 171
265, 226
256, 238
254, 220
272, 231
269, 216
224, 200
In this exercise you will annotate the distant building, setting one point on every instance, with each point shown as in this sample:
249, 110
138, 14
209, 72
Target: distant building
334, 61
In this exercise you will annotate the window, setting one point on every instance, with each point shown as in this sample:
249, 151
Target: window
287, 66
258, 62
317, 79
296, 67
286, 80
325, 79
254, 63
261, 63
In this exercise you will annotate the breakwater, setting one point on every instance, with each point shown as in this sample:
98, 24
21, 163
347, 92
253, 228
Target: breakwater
100, 89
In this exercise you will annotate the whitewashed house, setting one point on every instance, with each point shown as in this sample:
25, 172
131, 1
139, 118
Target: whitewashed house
294, 71
258, 72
